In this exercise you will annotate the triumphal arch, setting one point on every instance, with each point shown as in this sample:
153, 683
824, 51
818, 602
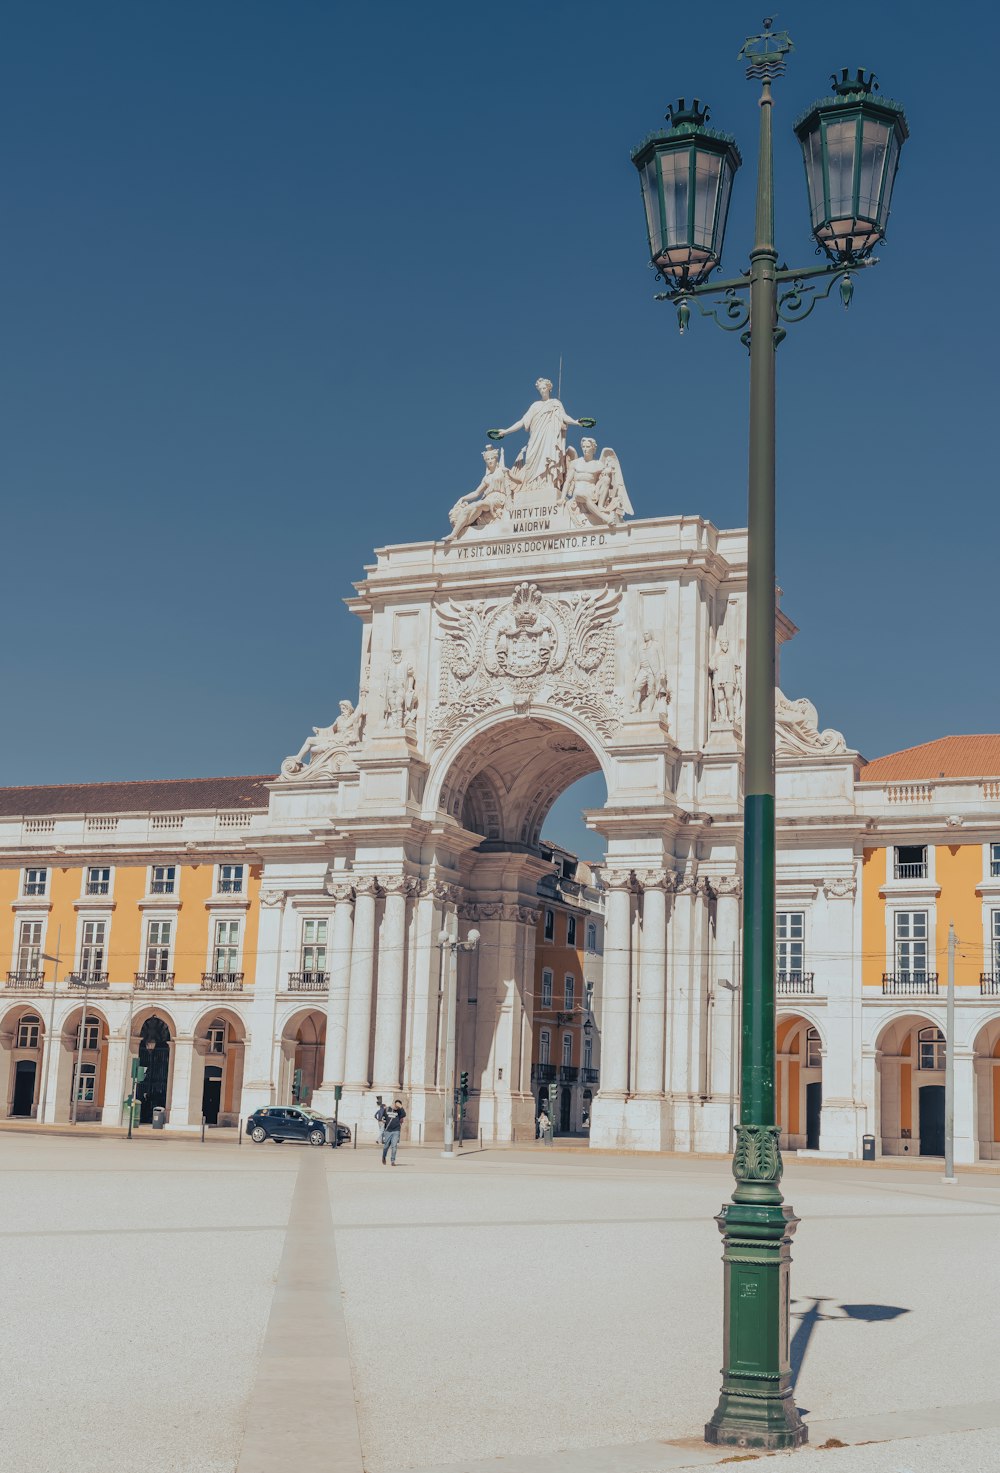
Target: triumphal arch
546, 634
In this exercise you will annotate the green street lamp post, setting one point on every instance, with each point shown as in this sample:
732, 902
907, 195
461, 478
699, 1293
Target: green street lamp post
851, 143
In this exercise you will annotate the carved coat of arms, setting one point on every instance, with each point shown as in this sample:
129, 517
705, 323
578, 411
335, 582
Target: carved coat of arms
529, 647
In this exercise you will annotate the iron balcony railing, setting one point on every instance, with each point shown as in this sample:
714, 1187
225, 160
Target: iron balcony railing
308, 981
995, 869
154, 981
543, 1073
590, 1076
26, 980
800, 983
910, 984
88, 979
569, 1073
915, 870
222, 981
989, 984
230, 887
162, 887
98, 887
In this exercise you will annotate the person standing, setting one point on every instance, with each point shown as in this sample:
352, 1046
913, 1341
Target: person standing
392, 1117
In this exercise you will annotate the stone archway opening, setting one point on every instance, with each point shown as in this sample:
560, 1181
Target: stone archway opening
303, 1054
911, 1060
82, 1066
528, 1000
986, 1064
799, 1082
22, 1049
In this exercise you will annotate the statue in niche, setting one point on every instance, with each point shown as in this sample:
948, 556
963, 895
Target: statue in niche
725, 674
326, 742
541, 465
649, 688
394, 705
594, 487
489, 501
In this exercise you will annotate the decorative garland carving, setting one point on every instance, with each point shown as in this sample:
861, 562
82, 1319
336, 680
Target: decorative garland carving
841, 888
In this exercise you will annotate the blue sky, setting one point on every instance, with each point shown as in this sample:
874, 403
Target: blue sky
272, 269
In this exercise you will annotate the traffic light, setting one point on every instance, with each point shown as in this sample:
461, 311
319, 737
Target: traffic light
463, 1087
138, 1071
297, 1086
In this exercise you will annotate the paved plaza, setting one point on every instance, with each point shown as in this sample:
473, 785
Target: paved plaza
234, 1309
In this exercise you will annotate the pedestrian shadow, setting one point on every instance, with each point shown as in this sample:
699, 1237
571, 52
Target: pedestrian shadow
810, 1317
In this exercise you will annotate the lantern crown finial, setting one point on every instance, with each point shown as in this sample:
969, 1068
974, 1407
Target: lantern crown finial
679, 115
850, 85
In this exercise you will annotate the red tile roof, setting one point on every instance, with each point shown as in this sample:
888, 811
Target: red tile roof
950, 756
167, 795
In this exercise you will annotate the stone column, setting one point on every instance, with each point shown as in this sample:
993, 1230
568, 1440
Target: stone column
723, 1069
258, 1087
115, 1074
359, 1008
652, 981
965, 1106
340, 984
842, 1120
180, 1086
391, 975
617, 982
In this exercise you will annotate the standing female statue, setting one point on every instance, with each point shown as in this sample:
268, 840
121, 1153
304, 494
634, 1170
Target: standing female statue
541, 465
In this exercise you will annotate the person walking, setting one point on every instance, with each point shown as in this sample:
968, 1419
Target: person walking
392, 1117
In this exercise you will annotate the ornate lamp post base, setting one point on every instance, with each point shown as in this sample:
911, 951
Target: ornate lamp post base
756, 1407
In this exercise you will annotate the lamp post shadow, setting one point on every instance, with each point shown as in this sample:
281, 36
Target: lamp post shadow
809, 1318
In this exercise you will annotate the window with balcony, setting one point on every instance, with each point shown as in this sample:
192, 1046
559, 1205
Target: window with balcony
163, 879
995, 861
930, 1049
36, 881
567, 1050
92, 948
591, 936
569, 993
314, 947
996, 943
911, 945
544, 1046
571, 930
910, 862
550, 925
814, 1049
226, 947
158, 938
790, 935
28, 1031
231, 879
29, 947
98, 881
546, 988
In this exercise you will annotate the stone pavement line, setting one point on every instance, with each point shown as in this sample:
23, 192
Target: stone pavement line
302, 1412
676, 1454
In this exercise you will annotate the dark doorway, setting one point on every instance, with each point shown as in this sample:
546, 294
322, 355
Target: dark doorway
24, 1087
814, 1104
211, 1095
564, 1107
932, 1120
154, 1056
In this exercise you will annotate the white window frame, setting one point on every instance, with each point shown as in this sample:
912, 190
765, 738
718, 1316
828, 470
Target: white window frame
899, 942
20, 945
549, 925
82, 944
315, 946
571, 926
149, 944
152, 881
87, 1075
567, 1051
91, 1030
935, 1047
224, 883
995, 939
33, 1023
88, 882
786, 923
34, 893
544, 1046
588, 1050
215, 918
569, 992
217, 1038
813, 1049
993, 862
592, 936
548, 980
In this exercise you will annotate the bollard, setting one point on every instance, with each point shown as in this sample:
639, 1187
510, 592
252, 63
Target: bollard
203, 1130
239, 1140
420, 1133
480, 1137
354, 1137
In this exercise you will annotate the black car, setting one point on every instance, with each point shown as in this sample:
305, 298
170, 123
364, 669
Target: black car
294, 1123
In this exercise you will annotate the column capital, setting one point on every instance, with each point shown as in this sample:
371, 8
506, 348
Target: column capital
442, 891
270, 899
657, 879
616, 879
366, 885
842, 887
726, 885
342, 892
397, 884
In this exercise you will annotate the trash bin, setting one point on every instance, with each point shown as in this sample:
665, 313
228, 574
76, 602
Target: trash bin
159, 1117
868, 1148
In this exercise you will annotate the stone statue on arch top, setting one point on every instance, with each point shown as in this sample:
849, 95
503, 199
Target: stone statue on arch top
541, 465
594, 488
326, 743
488, 502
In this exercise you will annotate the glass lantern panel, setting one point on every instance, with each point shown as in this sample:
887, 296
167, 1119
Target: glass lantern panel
674, 171
840, 141
890, 178
725, 189
813, 150
706, 194
651, 199
874, 137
